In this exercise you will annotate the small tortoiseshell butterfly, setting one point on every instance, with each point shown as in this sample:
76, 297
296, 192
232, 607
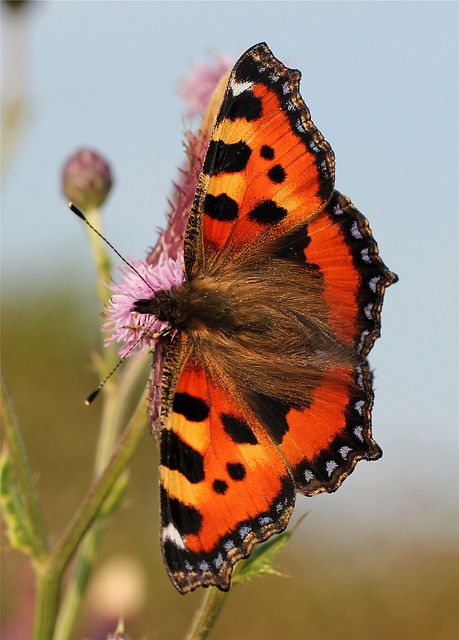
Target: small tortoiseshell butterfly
266, 390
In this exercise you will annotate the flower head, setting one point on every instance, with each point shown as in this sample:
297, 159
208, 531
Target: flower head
86, 178
163, 268
196, 90
135, 330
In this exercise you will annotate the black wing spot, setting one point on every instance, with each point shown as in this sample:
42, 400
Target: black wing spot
292, 246
236, 470
268, 212
192, 408
238, 429
220, 486
273, 414
267, 152
186, 519
245, 105
221, 207
277, 174
173, 556
176, 455
226, 158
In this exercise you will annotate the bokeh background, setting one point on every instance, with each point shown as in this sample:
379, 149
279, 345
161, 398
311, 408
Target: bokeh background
378, 558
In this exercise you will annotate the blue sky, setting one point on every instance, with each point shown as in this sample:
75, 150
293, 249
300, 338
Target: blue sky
381, 83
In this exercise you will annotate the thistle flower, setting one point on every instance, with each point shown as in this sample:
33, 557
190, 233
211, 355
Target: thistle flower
135, 330
163, 265
86, 179
196, 90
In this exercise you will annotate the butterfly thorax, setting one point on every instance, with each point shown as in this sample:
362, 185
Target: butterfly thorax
201, 304
239, 316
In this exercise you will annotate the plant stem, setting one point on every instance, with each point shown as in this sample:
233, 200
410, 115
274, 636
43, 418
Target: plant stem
116, 401
51, 572
46, 603
206, 615
96, 496
18, 454
99, 253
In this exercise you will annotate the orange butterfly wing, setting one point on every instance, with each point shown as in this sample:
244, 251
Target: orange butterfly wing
267, 167
323, 440
224, 486
268, 174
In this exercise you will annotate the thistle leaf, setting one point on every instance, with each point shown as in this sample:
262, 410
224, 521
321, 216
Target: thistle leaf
19, 535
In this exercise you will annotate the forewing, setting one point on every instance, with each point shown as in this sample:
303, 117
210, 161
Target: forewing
267, 167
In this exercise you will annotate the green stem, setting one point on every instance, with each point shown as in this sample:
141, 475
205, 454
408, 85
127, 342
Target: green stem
92, 503
18, 454
71, 603
51, 572
111, 421
206, 615
47, 586
99, 253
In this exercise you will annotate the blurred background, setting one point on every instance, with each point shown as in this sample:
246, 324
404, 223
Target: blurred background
378, 558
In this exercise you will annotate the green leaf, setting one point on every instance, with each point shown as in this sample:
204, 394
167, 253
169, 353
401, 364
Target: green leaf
262, 559
19, 535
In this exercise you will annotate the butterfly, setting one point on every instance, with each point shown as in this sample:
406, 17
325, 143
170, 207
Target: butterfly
266, 390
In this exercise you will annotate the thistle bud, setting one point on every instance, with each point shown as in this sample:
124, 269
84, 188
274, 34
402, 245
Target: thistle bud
86, 179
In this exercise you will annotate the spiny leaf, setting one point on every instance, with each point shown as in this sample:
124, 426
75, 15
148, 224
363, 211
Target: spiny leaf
19, 535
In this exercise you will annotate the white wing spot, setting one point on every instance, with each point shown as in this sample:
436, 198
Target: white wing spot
358, 432
239, 87
365, 256
171, 533
218, 561
279, 507
286, 88
362, 340
344, 451
228, 545
243, 531
308, 475
265, 520
337, 210
355, 230
359, 406
299, 126
203, 566
273, 77
373, 282
367, 311
331, 465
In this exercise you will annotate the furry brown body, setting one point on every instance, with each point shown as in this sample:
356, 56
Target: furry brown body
258, 321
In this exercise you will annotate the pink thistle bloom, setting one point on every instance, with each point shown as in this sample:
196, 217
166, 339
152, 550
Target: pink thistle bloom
134, 330
196, 90
163, 267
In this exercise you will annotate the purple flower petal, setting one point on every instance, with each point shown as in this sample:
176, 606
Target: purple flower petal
134, 330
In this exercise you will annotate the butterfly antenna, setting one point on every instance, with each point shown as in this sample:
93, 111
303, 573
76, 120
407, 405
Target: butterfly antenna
92, 396
81, 215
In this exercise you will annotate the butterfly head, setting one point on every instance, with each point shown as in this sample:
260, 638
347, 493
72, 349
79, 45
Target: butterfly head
136, 311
